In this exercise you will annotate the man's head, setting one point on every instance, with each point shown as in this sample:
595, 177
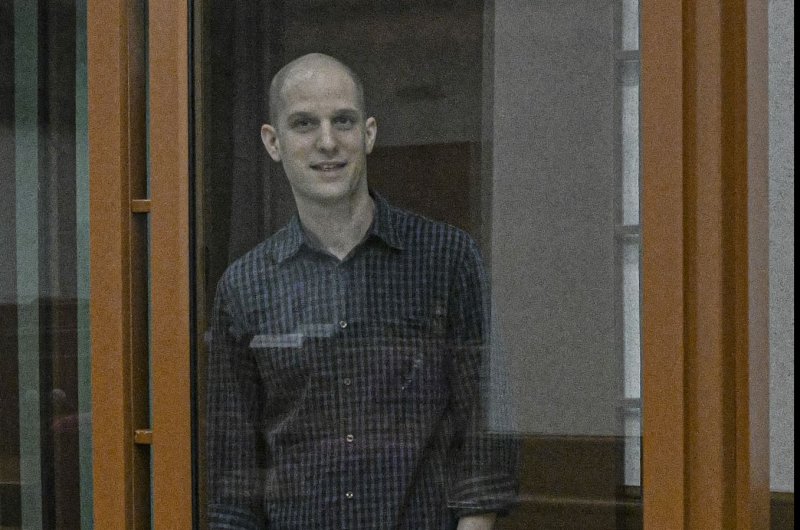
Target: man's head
279, 80
319, 130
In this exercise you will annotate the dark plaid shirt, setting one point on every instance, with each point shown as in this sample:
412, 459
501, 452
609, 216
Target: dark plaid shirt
348, 394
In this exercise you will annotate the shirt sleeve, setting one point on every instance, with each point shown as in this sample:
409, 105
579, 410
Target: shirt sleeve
483, 464
235, 471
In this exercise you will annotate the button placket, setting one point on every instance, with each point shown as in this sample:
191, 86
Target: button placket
344, 323
341, 278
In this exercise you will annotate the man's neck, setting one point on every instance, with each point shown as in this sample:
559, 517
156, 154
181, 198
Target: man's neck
338, 228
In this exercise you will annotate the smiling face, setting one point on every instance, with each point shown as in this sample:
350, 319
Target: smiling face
320, 133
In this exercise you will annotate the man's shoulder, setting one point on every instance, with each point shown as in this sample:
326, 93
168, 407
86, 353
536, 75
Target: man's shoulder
421, 232
256, 260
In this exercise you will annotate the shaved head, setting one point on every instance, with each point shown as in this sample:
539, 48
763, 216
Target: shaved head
304, 66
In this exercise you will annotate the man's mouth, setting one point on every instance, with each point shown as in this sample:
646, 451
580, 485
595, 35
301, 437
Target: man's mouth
328, 166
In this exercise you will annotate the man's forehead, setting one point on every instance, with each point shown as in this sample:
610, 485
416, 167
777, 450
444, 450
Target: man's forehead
304, 100
322, 79
315, 93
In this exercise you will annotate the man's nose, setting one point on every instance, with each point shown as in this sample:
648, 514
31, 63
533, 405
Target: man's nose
326, 140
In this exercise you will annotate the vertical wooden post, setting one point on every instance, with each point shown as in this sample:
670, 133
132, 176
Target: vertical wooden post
704, 268
118, 257
171, 267
663, 321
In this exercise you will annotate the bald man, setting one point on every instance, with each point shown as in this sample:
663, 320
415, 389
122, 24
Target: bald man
347, 349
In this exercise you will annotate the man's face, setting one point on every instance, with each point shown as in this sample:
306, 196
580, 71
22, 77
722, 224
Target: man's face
321, 136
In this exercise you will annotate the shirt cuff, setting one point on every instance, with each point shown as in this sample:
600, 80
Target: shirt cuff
487, 494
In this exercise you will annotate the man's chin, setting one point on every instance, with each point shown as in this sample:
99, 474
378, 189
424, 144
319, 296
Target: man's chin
335, 193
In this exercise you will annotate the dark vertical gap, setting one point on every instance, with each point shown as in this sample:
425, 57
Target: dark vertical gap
734, 227
198, 515
139, 278
58, 267
65, 425
217, 136
10, 500
689, 68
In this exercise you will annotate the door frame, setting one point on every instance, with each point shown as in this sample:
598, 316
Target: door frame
705, 236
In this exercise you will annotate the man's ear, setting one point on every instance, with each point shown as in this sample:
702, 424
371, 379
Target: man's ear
270, 138
370, 133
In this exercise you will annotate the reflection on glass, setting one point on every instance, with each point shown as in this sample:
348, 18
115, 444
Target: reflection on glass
26, 172
632, 333
630, 24
533, 154
45, 431
630, 142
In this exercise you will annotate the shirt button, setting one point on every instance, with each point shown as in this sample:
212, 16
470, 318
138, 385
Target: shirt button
349, 495
342, 324
347, 381
350, 438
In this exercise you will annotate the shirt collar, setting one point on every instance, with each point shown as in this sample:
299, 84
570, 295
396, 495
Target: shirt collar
382, 227
383, 224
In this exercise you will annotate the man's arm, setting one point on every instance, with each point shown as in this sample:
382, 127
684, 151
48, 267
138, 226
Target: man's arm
483, 465
235, 478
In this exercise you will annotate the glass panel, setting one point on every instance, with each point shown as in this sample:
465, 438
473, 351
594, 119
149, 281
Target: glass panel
513, 122
45, 454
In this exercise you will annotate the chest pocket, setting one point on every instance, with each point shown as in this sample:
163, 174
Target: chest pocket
409, 358
283, 361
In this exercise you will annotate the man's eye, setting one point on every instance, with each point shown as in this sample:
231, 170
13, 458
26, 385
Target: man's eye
302, 124
344, 121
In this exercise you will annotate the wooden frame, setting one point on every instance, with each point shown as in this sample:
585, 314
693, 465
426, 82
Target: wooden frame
705, 305
704, 267
118, 235
170, 265
123, 276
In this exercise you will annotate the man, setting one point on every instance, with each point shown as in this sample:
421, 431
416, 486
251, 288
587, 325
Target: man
347, 349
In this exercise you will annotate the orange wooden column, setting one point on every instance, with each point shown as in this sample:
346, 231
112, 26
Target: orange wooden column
170, 280
117, 169
705, 302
